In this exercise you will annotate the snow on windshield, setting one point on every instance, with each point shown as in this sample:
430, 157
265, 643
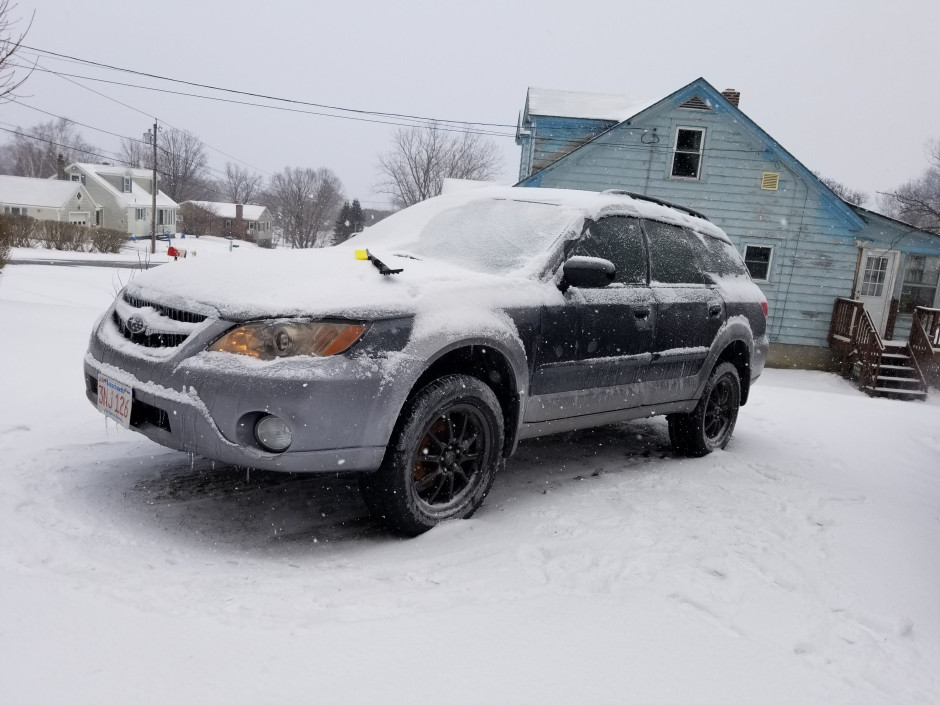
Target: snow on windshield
491, 235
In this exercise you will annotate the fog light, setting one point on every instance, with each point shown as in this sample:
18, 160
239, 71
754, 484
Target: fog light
273, 434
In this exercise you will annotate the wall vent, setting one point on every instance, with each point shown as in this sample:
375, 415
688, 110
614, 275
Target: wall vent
770, 181
695, 103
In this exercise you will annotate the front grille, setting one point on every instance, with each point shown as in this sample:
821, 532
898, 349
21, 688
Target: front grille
149, 340
165, 311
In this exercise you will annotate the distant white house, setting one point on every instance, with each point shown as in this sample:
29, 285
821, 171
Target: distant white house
65, 201
245, 222
125, 197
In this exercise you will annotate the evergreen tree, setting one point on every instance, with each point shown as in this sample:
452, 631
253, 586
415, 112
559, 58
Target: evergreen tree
356, 217
343, 228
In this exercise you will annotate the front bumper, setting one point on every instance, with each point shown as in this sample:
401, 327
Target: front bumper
341, 409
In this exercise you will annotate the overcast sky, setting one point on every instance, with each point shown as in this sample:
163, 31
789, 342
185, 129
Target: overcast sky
852, 89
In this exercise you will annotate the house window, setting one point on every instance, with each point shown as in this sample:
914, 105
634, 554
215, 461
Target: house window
251, 225
687, 159
758, 259
873, 281
140, 213
76, 177
166, 217
126, 184
919, 288
14, 210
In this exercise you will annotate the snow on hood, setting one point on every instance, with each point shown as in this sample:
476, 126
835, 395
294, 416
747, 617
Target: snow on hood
327, 282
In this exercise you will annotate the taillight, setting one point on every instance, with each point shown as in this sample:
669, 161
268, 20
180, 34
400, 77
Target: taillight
763, 306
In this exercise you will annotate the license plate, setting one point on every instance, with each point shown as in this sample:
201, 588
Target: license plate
114, 400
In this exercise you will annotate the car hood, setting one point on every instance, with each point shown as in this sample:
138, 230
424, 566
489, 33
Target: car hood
328, 282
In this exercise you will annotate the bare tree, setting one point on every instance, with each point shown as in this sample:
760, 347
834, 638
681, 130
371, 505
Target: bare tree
34, 151
200, 220
421, 158
849, 195
181, 163
305, 203
239, 184
10, 42
918, 201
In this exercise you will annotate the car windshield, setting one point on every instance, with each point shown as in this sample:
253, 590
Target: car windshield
493, 235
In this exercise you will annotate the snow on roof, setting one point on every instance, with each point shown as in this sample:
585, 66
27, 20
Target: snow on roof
37, 193
138, 196
227, 210
574, 104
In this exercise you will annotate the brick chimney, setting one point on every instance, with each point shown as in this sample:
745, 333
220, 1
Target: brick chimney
240, 222
733, 96
60, 169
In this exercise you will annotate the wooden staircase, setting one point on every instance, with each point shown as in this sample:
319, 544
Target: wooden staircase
883, 368
896, 375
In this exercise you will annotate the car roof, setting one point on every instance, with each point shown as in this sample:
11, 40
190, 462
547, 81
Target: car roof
594, 205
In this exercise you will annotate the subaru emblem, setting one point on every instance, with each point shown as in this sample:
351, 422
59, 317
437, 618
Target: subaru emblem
136, 325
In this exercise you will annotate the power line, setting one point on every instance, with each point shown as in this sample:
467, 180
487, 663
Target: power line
397, 123
260, 95
137, 110
59, 144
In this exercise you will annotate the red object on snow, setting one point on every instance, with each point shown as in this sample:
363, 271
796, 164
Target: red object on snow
172, 252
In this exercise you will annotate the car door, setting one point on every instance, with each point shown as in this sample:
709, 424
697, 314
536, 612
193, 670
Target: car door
594, 352
689, 312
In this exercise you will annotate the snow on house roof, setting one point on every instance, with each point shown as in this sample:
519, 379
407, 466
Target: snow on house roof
37, 193
575, 104
227, 210
137, 197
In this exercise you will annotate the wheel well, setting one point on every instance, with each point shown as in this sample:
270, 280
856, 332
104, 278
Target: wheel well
736, 353
489, 366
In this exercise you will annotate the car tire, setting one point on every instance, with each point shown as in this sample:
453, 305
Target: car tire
711, 423
442, 459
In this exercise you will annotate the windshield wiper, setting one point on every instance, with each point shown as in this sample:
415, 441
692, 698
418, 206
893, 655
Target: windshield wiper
379, 264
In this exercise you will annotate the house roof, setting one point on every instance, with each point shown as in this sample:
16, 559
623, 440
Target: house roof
138, 196
716, 101
38, 193
227, 210
574, 104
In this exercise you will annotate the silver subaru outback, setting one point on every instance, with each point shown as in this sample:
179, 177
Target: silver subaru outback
420, 352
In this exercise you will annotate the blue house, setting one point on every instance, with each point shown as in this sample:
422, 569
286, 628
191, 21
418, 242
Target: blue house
803, 245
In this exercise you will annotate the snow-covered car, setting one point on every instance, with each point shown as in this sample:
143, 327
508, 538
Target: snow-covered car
423, 350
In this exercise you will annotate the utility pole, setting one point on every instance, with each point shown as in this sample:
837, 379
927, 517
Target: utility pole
153, 189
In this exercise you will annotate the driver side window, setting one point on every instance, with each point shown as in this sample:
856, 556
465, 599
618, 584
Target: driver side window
620, 240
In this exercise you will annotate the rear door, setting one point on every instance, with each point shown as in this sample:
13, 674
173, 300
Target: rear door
689, 312
594, 352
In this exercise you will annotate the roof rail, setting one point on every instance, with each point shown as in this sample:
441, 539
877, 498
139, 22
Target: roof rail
658, 201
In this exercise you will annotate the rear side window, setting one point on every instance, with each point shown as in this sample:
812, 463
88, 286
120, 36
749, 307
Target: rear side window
719, 258
620, 240
674, 258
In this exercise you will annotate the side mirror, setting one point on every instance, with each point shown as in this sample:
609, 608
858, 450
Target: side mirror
587, 273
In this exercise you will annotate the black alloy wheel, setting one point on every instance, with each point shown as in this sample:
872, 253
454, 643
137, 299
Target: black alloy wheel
450, 456
443, 457
710, 425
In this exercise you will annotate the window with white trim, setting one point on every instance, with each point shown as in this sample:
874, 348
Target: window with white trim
166, 217
140, 213
919, 287
126, 184
687, 154
757, 259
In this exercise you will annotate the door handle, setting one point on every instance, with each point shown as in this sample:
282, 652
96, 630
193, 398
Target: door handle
714, 311
641, 313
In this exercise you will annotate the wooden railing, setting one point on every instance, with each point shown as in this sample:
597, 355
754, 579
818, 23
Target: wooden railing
925, 343
870, 349
843, 328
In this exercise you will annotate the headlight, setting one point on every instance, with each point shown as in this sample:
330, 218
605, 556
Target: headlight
268, 340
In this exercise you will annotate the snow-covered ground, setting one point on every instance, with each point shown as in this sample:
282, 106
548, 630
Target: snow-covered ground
138, 251
799, 566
